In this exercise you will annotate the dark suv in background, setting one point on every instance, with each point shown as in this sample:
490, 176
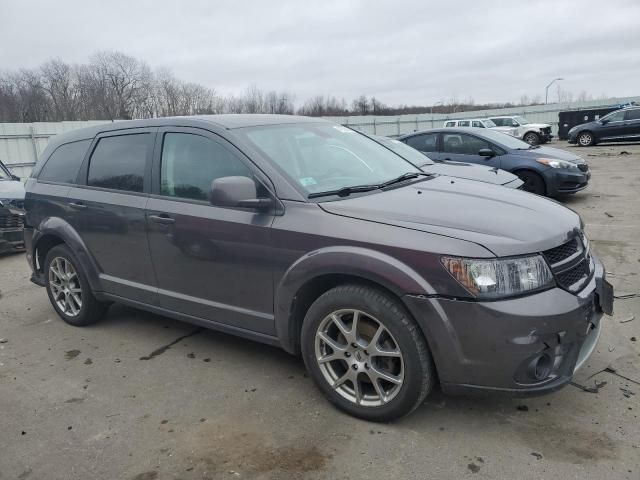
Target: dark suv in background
302, 233
619, 126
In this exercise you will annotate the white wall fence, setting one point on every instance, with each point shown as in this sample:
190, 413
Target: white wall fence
22, 143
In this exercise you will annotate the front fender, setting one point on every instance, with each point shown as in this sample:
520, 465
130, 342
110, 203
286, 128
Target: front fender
61, 229
364, 263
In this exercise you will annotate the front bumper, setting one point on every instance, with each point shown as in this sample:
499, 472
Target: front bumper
497, 346
560, 181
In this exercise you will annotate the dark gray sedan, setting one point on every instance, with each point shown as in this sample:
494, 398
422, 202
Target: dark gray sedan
544, 170
468, 171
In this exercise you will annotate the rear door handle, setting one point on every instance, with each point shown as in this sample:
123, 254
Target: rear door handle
77, 205
162, 219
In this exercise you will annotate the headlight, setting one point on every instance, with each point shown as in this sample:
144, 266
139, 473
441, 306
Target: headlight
553, 163
499, 278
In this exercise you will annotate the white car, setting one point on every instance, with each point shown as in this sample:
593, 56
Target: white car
520, 127
471, 122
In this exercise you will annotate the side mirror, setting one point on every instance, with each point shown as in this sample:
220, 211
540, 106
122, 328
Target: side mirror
486, 152
16, 178
604, 121
237, 192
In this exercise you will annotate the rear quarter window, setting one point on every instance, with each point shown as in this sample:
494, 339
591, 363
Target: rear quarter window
64, 163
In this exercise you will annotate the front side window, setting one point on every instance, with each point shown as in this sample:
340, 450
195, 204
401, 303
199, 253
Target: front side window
324, 157
501, 122
615, 116
191, 162
427, 142
463, 123
477, 124
119, 162
463, 144
64, 163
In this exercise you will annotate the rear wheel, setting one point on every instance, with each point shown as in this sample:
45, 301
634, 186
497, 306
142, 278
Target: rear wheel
366, 354
532, 138
69, 290
586, 139
533, 182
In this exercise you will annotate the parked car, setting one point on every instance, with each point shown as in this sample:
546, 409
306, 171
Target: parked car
619, 126
479, 173
325, 243
470, 122
544, 170
520, 127
11, 211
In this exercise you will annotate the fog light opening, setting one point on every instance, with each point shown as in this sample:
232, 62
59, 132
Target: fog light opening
541, 366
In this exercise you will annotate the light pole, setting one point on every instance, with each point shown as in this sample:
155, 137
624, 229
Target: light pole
546, 90
431, 112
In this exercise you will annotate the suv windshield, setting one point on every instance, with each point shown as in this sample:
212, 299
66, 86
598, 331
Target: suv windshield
521, 120
4, 173
324, 157
489, 123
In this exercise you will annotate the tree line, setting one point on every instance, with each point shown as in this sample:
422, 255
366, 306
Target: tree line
113, 85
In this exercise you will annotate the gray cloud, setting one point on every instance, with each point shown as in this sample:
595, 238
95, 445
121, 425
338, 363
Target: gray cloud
412, 52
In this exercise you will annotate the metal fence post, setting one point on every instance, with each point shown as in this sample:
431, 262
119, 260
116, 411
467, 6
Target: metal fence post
417, 127
374, 126
32, 134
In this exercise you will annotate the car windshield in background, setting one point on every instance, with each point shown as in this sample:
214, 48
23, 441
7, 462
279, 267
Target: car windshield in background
522, 120
325, 157
505, 140
405, 151
489, 123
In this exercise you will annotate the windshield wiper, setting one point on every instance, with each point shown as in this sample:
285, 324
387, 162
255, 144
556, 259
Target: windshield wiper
346, 191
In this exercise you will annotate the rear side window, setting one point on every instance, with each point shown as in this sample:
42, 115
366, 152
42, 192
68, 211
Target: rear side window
477, 124
464, 123
633, 114
64, 163
191, 162
426, 142
119, 162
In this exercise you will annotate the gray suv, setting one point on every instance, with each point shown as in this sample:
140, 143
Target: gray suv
301, 233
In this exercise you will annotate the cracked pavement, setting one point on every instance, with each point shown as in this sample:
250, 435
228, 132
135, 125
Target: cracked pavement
142, 397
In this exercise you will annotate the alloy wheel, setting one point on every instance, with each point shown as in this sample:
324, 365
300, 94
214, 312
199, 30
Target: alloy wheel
359, 357
585, 139
65, 286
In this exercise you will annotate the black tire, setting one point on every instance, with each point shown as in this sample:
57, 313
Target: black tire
419, 374
91, 310
533, 182
532, 138
585, 139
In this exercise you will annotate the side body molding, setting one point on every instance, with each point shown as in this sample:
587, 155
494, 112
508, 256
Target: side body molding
60, 228
361, 262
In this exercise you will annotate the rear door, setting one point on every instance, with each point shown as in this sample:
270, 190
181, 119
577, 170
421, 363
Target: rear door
107, 209
463, 147
211, 262
632, 123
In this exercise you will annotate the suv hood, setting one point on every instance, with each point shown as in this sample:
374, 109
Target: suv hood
11, 189
504, 220
479, 173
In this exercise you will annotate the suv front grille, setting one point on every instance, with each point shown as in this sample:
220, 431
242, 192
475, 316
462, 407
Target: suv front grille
11, 220
570, 263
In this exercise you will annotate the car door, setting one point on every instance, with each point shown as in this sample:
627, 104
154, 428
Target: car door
211, 262
463, 147
613, 126
107, 209
632, 123
426, 143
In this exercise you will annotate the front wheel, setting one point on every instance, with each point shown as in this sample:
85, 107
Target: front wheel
533, 182
532, 138
586, 139
69, 290
366, 353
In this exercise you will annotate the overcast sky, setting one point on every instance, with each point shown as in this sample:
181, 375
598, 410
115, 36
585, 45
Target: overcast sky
413, 52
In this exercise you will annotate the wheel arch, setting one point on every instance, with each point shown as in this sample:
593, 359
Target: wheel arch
319, 271
531, 170
55, 231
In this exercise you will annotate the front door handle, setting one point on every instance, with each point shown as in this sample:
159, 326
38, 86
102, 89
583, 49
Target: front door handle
77, 205
162, 219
